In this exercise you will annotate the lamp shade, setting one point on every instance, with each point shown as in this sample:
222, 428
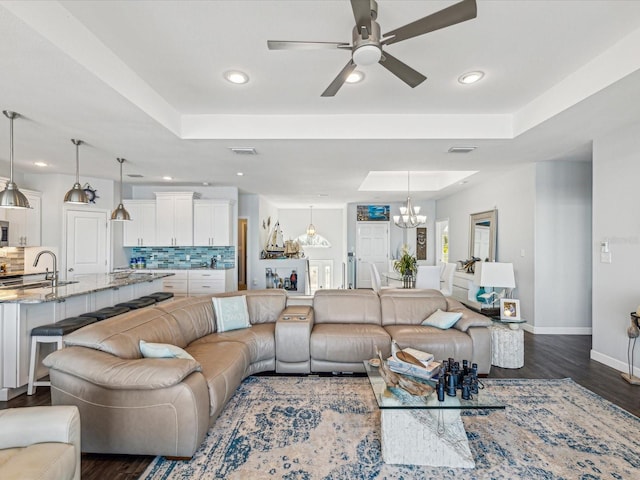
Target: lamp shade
494, 274
11, 197
120, 214
76, 195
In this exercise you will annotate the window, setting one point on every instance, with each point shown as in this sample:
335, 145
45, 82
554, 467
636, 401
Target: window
321, 274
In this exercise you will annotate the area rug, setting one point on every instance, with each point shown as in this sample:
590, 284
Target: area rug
328, 428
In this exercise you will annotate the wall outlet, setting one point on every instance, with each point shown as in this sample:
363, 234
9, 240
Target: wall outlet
188, 257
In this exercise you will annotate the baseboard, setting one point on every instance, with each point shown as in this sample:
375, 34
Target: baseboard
557, 330
612, 362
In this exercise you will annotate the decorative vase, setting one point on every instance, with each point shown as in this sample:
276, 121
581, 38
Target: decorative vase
408, 281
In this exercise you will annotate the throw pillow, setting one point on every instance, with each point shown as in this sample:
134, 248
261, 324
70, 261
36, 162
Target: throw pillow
442, 320
162, 350
231, 313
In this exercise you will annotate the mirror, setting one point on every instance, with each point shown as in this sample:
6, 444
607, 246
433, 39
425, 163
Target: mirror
482, 235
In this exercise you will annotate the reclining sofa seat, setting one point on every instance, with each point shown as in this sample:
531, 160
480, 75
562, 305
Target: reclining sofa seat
347, 330
404, 310
147, 406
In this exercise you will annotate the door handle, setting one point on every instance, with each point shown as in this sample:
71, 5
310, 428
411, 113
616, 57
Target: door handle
71, 269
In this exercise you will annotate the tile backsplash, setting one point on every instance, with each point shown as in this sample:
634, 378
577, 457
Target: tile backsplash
176, 257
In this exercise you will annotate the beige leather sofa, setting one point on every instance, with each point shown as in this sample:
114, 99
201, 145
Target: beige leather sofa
40, 443
134, 405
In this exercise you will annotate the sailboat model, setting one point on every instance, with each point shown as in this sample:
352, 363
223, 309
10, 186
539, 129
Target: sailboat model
275, 244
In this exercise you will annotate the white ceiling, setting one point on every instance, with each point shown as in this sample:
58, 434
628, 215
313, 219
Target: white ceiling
143, 80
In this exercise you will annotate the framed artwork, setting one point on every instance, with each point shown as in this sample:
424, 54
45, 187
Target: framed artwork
509, 309
421, 243
372, 213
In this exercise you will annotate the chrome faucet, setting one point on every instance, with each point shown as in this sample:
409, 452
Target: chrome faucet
54, 275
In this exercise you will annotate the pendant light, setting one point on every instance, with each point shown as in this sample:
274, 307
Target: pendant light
76, 195
11, 197
311, 230
409, 215
311, 238
120, 214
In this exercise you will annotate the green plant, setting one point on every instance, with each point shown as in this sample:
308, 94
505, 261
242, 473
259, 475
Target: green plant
406, 264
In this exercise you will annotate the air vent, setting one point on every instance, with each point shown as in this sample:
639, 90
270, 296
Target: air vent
134, 175
461, 149
243, 150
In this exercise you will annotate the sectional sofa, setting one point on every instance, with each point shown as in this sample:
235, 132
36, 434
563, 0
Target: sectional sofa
164, 406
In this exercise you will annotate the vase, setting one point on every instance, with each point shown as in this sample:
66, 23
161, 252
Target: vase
408, 281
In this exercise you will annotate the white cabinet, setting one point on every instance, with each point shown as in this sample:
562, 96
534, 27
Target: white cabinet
141, 230
212, 223
178, 284
25, 223
174, 219
203, 282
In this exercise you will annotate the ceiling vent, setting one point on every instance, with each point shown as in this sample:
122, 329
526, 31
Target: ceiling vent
461, 149
134, 175
243, 150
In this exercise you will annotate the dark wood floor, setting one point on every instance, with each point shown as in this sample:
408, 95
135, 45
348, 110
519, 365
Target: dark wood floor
546, 356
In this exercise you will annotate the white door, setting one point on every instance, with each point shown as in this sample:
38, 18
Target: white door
87, 242
372, 246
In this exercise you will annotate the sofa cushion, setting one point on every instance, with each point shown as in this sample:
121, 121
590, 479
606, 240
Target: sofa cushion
346, 307
442, 320
231, 313
224, 367
260, 340
264, 305
121, 335
40, 461
441, 343
348, 343
194, 316
410, 306
162, 350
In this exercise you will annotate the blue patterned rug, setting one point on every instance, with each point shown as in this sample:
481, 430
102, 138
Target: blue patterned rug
328, 428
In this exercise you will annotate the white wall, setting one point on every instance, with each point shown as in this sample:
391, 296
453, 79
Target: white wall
563, 247
616, 219
329, 223
513, 195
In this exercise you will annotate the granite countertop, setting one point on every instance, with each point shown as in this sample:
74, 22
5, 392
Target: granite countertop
83, 285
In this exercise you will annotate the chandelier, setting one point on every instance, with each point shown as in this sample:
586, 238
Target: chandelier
311, 238
409, 215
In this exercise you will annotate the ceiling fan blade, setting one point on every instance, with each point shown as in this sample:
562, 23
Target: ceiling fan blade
401, 70
460, 12
285, 45
333, 88
362, 14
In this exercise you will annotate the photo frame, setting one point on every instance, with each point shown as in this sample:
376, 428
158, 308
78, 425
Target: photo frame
421, 243
372, 213
509, 309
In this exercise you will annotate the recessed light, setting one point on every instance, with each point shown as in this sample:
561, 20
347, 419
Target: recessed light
40, 164
236, 76
355, 77
167, 177
470, 77
240, 174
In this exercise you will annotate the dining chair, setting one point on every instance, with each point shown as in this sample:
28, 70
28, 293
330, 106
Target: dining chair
446, 288
428, 276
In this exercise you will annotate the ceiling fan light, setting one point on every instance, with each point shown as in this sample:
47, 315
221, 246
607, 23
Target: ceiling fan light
367, 55
355, 77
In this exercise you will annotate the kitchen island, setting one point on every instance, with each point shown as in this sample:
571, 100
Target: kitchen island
22, 309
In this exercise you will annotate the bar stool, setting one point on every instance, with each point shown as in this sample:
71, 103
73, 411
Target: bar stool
51, 333
137, 303
106, 312
161, 296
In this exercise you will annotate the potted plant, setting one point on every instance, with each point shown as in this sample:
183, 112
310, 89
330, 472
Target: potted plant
407, 266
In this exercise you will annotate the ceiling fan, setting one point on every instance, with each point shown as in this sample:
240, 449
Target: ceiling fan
367, 43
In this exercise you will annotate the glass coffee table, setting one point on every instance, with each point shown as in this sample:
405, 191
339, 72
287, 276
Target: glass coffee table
419, 430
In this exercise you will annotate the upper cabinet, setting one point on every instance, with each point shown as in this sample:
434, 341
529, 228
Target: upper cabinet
211, 223
141, 230
174, 219
25, 223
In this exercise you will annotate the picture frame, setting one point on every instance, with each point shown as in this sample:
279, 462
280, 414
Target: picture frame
509, 309
421, 243
373, 213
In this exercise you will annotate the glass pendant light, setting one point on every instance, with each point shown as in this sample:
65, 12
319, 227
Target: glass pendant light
120, 214
76, 195
409, 214
11, 197
311, 230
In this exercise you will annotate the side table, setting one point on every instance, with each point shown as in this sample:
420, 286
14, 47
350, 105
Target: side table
507, 345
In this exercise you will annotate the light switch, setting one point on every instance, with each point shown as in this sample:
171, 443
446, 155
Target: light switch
522, 252
605, 257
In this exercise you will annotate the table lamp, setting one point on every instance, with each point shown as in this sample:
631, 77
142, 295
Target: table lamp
493, 275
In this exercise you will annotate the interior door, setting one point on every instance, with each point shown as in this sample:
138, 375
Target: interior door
87, 242
372, 246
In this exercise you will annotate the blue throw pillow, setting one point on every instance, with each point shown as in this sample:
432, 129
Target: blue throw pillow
231, 313
442, 320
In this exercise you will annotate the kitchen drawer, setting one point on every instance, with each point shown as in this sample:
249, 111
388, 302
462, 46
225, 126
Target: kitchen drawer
177, 287
208, 286
206, 274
